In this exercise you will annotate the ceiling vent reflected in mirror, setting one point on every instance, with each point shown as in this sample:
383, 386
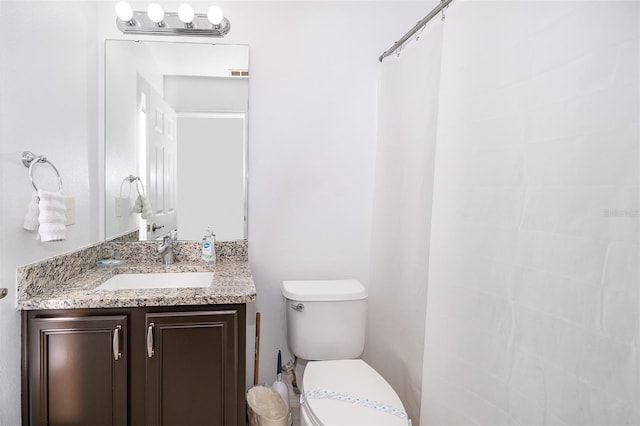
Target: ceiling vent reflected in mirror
184, 22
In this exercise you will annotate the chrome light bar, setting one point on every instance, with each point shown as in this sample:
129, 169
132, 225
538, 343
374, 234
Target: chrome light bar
171, 23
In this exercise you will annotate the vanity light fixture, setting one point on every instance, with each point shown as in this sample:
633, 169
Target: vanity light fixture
215, 15
124, 12
155, 21
155, 12
186, 15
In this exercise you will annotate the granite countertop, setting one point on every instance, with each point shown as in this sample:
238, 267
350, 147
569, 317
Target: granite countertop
232, 283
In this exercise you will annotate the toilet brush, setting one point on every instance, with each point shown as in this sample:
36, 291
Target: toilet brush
279, 385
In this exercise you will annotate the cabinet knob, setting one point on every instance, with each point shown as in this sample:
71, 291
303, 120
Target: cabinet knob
3, 293
150, 340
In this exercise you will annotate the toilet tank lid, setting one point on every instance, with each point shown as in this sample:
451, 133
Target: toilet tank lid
323, 290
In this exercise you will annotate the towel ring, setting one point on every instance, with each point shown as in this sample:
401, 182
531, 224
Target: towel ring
29, 159
131, 179
122, 185
139, 181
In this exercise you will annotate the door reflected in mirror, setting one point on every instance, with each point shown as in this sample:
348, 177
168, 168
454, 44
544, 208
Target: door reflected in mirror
175, 140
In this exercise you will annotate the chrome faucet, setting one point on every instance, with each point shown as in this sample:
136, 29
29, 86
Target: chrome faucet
166, 249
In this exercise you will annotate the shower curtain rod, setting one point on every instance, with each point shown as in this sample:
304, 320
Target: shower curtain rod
421, 23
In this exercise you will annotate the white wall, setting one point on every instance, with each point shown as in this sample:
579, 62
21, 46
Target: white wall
533, 307
49, 105
311, 133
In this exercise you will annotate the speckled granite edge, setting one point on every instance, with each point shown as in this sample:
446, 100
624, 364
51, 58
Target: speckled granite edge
34, 278
231, 249
59, 272
128, 237
184, 251
232, 283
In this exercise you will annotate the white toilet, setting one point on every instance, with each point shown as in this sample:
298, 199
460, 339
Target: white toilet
326, 325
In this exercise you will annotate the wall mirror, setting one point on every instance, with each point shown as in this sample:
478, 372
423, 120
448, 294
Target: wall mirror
176, 119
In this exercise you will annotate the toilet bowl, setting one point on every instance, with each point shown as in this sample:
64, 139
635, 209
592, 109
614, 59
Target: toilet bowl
326, 326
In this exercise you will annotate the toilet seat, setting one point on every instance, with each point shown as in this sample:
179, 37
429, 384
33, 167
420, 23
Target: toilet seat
348, 393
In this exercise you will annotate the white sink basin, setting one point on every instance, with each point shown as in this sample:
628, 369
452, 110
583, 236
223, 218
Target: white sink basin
157, 280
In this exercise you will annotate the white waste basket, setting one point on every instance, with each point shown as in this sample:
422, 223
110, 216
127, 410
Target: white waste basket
266, 407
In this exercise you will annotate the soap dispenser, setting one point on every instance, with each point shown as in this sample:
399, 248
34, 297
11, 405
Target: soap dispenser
209, 247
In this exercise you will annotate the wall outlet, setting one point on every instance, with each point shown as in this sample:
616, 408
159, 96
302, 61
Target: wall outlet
123, 206
70, 205
118, 207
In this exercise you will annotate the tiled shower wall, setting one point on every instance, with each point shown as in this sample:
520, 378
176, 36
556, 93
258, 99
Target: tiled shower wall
533, 307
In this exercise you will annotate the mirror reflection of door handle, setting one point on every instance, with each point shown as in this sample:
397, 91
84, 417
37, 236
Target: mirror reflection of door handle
153, 227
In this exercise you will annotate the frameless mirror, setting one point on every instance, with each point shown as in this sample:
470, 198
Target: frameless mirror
175, 140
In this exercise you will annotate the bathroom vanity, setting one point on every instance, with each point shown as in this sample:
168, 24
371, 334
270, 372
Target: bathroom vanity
139, 366
137, 356
155, 352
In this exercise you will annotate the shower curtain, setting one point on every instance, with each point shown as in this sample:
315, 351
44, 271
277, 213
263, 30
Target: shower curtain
534, 266
407, 118
532, 248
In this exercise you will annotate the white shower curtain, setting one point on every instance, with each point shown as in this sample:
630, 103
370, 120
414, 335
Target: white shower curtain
534, 270
407, 119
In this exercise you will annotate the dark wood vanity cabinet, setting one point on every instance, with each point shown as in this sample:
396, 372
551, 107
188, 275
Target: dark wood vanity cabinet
155, 366
73, 375
191, 369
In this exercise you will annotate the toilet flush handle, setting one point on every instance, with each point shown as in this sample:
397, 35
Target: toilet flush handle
297, 307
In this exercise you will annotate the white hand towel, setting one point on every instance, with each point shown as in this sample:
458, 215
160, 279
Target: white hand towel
137, 206
143, 206
52, 216
147, 213
31, 218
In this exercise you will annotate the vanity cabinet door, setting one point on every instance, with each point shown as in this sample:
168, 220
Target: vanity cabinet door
193, 368
77, 370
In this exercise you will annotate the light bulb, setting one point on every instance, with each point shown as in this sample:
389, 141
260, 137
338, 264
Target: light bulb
155, 12
124, 11
185, 13
215, 15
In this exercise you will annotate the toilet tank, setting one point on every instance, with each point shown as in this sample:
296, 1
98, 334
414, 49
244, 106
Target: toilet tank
325, 318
